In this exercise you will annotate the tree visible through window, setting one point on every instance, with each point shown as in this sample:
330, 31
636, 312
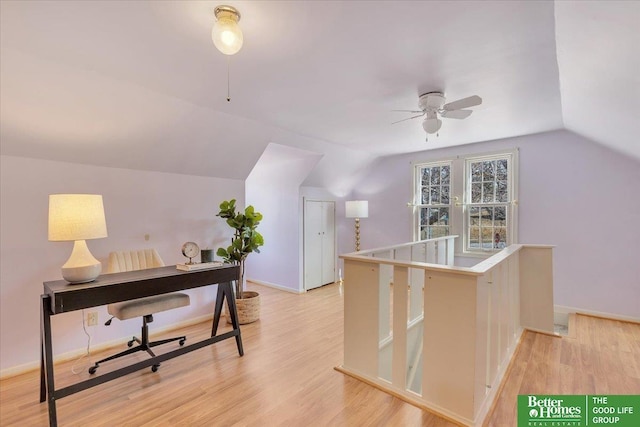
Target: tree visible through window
435, 200
488, 203
472, 197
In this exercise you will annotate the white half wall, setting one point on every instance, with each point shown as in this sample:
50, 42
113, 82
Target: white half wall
169, 208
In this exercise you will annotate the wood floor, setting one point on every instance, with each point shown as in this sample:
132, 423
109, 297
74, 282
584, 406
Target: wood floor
286, 376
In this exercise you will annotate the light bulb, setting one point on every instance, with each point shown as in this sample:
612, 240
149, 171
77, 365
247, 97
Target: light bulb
226, 33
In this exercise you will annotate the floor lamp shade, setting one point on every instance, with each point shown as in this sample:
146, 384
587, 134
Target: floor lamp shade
77, 217
357, 209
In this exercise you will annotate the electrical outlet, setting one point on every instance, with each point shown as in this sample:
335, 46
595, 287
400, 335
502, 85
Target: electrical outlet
92, 318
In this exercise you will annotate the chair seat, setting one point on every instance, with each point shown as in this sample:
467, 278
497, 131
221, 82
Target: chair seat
149, 305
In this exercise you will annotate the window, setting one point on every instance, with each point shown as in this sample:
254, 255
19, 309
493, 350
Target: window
434, 200
487, 202
470, 196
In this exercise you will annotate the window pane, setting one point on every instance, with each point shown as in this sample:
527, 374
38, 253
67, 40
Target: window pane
444, 216
488, 170
435, 195
486, 217
486, 238
444, 175
434, 215
426, 176
474, 237
500, 216
424, 216
501, 172
435, 175
424, 233
487, 192
500, 238
476, 172
425, 196
501, 192
476, 193
444, 196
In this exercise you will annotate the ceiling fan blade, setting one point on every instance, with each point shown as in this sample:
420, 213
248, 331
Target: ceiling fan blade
408, 111
456, 114
463, 103
408, 118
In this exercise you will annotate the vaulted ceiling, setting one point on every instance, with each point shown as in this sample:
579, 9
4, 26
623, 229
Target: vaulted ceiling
139, 84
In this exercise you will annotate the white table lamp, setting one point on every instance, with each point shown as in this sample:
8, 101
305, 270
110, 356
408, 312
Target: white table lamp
357, 209
77, 217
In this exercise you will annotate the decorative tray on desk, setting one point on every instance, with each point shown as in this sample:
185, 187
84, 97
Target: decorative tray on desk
198, 266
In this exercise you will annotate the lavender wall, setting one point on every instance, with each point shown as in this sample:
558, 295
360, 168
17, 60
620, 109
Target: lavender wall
574, 193
273, 188
170, 208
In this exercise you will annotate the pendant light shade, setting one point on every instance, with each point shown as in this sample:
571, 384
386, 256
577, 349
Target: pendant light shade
226, 33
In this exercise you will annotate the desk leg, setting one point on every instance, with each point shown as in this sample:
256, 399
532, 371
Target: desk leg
48, 359
225, 291
43, 383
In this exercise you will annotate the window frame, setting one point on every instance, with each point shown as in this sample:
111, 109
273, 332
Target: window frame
418, 205
510, 205
459, 198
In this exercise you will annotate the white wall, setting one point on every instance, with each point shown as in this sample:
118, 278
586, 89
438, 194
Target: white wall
574, 193
171, 208
273, 188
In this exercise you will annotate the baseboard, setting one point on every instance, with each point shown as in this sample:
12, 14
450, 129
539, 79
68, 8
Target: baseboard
73, 354
612, 316
273, 285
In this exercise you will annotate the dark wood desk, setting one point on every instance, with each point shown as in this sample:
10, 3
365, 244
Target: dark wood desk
61, 297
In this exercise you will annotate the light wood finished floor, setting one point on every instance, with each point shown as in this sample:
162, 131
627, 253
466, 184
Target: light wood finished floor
287, 378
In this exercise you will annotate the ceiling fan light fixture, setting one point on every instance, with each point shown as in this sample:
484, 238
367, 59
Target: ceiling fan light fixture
226, 33
431, 125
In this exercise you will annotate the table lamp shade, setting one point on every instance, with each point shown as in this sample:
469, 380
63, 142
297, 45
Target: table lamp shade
357, 209
77, 217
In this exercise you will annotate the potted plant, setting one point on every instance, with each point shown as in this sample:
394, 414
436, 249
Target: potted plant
246, 240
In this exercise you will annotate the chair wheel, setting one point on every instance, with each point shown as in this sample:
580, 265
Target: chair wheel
181, 342
130, 343
154, 368
92, 370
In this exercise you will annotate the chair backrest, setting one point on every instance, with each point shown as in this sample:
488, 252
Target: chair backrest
134, 260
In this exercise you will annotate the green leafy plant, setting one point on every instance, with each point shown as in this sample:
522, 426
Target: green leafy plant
246, 238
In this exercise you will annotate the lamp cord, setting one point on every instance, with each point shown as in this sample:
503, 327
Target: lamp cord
87, 353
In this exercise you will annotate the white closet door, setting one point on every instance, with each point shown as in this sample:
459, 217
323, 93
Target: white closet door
328, 243
312, 244
319, 243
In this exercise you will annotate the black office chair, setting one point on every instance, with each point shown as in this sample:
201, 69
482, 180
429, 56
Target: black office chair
142, 307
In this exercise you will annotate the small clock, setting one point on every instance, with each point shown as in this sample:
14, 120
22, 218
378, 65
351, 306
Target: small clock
190, 250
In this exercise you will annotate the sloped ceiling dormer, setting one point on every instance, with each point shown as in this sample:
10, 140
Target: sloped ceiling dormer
140, 85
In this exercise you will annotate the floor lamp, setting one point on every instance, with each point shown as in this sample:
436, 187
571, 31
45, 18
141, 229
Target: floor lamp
357, 209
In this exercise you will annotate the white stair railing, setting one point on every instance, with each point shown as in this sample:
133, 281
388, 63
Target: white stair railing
471, 320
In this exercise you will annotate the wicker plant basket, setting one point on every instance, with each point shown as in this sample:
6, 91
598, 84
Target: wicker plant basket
248, 308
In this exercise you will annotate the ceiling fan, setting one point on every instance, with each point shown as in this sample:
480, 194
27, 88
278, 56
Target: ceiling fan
432, 105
